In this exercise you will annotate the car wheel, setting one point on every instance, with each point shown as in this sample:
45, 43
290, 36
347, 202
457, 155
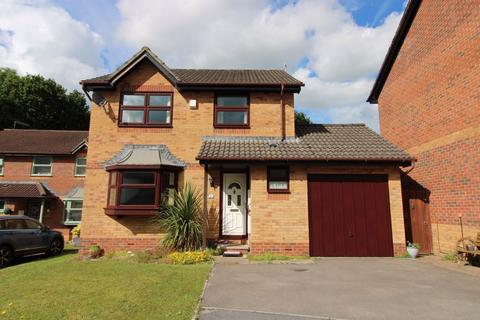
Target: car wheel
6, 256
56, 247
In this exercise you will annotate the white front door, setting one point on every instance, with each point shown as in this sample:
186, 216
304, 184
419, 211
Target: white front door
234, 201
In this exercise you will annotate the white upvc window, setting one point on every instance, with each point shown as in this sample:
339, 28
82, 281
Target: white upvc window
73, 211
2, 205
80, 167
42, 166
1, 165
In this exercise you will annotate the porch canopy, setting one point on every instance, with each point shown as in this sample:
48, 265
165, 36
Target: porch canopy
26, 190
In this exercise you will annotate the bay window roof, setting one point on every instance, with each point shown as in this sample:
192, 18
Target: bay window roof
141, 155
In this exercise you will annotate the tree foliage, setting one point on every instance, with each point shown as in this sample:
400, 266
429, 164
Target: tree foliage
302, 118
41, 103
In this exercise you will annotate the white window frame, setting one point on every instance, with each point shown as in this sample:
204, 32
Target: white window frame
2, 165
42, 165
2, 208
81, 166
67, 205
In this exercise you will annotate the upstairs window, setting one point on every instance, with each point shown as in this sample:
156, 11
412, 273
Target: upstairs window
1, 166
146, 109
80, 167
42, 166
232, 111
278, 179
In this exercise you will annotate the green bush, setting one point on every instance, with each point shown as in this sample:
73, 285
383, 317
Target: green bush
76, 231
182, 221
189, 257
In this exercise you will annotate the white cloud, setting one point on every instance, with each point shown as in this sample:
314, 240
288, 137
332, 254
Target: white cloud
342, 56
38, 37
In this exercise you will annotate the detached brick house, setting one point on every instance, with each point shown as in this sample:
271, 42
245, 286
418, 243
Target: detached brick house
42, 174
428, 91
323, 190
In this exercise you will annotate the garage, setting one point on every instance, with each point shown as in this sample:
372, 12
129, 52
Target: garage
349, 216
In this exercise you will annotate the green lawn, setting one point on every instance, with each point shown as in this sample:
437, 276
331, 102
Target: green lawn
64, 288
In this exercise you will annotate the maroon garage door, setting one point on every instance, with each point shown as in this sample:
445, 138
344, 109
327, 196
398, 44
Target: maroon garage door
349, 216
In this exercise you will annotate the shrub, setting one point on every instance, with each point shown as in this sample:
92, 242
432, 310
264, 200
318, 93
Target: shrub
413, 245
95, 251
76, 231
182, 221
189, 257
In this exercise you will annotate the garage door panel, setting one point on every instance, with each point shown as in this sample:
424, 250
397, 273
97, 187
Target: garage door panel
349, 215
339, 223
360, 227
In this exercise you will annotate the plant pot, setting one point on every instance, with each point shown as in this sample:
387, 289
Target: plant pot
76, 241
412, 252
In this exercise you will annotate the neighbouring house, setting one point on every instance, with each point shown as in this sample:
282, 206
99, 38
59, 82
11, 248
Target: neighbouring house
429, 103
320, 190
42, 174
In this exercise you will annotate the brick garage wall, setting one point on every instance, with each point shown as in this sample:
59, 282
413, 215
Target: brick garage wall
279, 222
63, 179
430, 107
184, 139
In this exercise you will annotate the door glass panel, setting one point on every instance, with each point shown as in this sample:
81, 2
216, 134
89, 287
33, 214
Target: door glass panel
229, 202
239, 200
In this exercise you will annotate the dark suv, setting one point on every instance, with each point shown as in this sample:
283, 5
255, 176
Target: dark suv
21, 236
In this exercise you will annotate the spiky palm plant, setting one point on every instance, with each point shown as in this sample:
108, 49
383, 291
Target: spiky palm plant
182, 220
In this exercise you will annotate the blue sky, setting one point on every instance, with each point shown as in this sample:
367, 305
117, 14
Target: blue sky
335, 46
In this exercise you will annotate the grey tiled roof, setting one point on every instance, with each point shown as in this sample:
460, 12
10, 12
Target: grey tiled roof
198, 77
349, 142
235, 76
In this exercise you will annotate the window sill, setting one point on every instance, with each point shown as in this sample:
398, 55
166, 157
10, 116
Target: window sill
233, 126
41, 175
71, 223
130, 211
279, 191
123, 125
79, 175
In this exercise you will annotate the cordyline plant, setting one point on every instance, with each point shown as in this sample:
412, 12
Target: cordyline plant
182, 220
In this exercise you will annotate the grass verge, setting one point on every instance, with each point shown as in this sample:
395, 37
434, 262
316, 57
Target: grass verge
65, 288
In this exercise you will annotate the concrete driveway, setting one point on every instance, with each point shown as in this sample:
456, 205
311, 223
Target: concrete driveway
340, 288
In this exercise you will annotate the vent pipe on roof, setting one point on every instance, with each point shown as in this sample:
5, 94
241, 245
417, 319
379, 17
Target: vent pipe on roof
282, 105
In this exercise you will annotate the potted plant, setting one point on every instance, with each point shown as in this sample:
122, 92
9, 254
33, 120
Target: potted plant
76, 236
412, 249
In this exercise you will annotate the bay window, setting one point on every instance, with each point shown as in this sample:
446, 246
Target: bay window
278, 179
146, 109
141, 189
232, 111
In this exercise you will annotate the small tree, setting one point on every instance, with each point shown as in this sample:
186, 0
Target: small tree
182, 220
302, 118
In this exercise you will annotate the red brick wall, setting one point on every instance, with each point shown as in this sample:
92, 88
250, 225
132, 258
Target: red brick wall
430, 106
63, 179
